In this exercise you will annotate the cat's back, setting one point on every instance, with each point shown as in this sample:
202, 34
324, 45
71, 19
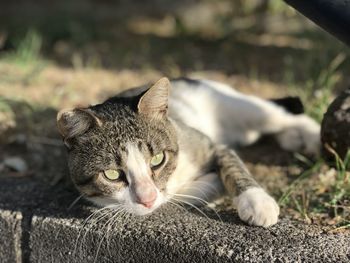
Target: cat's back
196, 103
183, 88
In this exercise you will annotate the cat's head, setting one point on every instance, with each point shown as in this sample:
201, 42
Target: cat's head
122, 152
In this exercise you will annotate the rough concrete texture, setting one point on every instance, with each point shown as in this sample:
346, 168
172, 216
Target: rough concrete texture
170, 235
335, 129
10, 236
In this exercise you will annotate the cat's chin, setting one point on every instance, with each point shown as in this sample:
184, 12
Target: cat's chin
142, 211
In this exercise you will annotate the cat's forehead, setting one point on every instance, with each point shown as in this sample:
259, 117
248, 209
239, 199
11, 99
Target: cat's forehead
121, 120
115, 138
121, 125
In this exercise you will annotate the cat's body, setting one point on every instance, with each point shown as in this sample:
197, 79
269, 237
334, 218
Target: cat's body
229, 117
190, 131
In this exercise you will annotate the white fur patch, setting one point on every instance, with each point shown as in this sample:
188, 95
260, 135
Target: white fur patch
257, 208
197, 109
207, 188
230, 117
141, 184
136, 164
184, 173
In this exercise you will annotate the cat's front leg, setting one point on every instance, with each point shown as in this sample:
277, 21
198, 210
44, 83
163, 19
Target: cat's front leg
254, 205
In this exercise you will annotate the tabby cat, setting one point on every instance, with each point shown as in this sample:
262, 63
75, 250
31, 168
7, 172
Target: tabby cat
146, 146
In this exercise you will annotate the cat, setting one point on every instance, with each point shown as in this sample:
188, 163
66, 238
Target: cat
172, 141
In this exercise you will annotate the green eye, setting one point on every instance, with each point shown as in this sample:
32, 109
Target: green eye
111, 174
157, 159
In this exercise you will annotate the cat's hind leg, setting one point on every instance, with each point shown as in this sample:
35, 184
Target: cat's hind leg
301, 134
294, 132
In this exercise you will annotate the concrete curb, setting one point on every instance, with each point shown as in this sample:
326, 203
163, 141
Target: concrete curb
10, 236
54, 234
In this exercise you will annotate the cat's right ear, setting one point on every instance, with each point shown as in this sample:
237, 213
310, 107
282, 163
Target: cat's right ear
72, 123
154, 102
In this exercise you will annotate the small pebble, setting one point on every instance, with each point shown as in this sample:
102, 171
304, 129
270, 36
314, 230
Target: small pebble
16, 163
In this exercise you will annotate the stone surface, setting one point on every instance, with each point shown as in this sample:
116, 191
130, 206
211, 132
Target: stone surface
10, 236
335, 129
176, 236
55, 234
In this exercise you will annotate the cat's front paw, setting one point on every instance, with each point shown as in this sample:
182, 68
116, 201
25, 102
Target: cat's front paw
257, 208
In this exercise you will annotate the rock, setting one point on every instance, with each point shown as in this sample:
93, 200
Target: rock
16, 163
335, 129
36, 226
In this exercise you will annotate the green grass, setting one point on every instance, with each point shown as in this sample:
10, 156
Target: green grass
5, 105
341, 187
286, 196
26, 58
27, 50
317, 91
309, 195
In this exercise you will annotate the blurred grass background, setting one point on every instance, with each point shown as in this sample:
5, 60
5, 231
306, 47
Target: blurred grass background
56, 54
257, 39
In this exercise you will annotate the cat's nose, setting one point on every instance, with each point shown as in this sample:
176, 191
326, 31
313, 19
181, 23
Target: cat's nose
149, 201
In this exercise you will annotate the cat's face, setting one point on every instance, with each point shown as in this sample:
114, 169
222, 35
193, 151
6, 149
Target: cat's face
122, 152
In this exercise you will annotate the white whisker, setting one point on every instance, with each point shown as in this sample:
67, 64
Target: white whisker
195, 207
178, 205
90, 217
74, 202
106, 235
201, 200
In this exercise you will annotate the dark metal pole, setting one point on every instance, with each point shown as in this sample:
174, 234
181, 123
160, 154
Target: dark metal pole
331, 15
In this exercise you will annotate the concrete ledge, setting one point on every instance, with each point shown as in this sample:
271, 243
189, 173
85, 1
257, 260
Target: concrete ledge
10, 236
175, 236
171, 235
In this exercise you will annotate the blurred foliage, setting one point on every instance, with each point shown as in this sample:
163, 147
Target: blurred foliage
258, 38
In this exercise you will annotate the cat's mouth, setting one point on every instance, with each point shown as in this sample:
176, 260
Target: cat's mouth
141, 210
128, 204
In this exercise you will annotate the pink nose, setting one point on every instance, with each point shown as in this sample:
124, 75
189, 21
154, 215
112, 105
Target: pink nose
149, 201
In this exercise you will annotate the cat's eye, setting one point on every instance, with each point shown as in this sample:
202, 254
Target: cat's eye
111, 174
157, 160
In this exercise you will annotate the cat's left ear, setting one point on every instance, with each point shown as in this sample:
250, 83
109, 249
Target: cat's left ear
154, 102
73, 123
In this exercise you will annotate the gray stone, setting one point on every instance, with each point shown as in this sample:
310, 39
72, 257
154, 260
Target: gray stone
10, 236
16, 163
55, 234
173, 235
